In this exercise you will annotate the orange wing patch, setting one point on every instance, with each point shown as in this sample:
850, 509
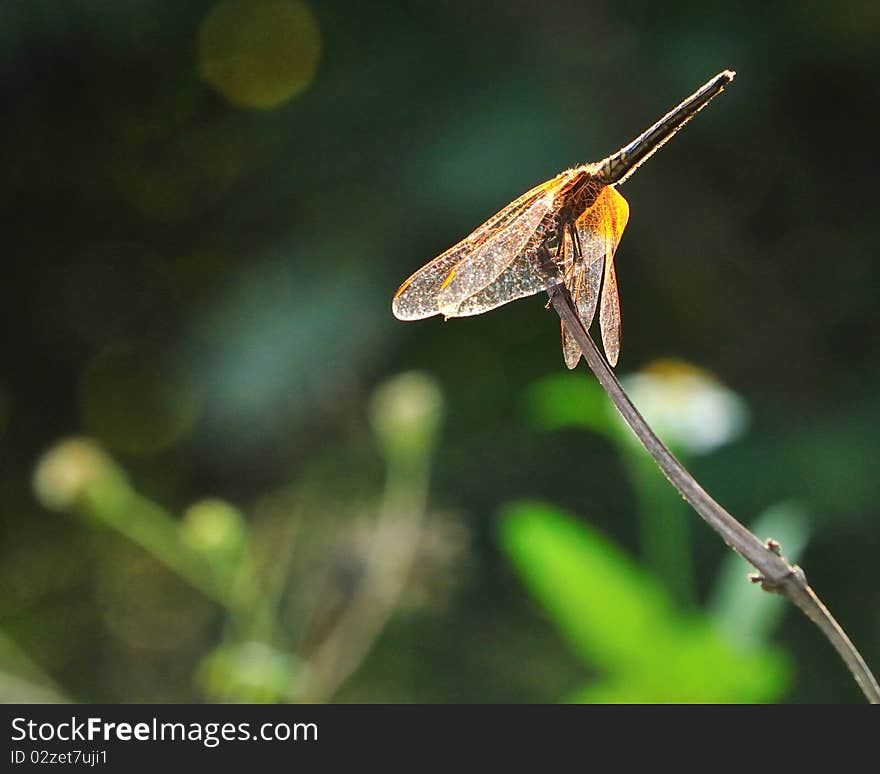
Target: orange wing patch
599, 229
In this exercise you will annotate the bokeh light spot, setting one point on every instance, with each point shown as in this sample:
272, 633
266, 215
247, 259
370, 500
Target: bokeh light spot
136, 401
259, 53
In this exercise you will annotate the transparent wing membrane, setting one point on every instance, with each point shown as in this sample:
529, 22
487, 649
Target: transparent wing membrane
571, 352
613, 221
599, 229
609, 315
482, 273
519, 280
444, 284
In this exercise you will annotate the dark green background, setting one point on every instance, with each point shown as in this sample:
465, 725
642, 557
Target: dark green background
264, 290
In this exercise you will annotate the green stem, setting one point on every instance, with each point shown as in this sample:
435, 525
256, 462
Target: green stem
664, 527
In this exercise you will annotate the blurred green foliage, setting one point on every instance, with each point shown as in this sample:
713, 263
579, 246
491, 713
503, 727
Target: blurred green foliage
614, 614
219, 553
207, 206
618, 619
688, 408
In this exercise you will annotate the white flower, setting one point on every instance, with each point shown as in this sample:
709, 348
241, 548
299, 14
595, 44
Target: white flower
687, 406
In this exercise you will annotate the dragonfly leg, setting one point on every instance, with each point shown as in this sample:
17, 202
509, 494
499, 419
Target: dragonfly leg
575, 239
570, 262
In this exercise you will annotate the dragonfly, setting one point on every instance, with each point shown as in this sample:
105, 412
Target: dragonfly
565, 230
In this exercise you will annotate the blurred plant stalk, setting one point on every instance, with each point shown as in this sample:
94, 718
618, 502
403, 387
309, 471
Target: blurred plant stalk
695, 414
406, 414
77, 475
213, 549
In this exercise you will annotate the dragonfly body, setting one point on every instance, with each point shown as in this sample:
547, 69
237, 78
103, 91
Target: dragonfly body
565, 230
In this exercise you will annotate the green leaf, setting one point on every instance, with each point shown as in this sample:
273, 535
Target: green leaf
570, 400
606, 607
616, 616
22, 681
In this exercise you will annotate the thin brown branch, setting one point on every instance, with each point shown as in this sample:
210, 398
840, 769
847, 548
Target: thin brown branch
776, 574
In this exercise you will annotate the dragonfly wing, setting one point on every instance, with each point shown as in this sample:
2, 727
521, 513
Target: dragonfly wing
483, 273
571, 352
521, 278
418, 296
587, 298
616, 215
609, 315
585, 292
599, 230
584, 286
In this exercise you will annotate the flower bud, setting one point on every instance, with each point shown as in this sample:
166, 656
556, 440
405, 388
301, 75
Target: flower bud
406, 412
214, 527
70, 471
